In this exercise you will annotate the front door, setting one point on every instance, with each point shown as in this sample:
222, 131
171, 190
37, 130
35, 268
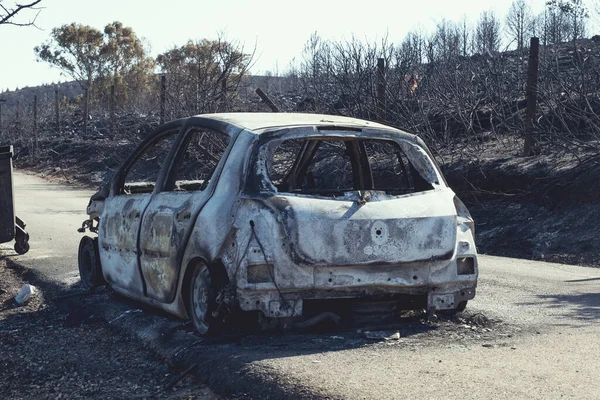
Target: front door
123, 210
171, 214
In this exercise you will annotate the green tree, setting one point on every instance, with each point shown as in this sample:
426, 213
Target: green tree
97, 60
75, 49
127, 65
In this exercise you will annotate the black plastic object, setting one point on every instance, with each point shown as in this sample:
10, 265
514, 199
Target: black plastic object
11, 227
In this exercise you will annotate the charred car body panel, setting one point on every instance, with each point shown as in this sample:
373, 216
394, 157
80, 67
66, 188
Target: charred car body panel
283, 208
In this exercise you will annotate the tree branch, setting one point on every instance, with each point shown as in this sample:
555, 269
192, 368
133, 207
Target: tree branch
7, 14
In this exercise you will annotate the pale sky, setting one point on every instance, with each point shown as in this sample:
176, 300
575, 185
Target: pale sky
279, 29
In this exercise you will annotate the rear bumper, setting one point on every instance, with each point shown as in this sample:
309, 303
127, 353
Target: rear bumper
438, 282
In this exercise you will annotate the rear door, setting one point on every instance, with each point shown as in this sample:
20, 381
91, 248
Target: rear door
171, 215
123, 210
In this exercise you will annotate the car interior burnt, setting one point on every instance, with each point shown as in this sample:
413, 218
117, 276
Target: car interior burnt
333, 166
194, 168
141, 175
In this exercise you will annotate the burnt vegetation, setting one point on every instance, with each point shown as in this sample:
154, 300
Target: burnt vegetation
461, 87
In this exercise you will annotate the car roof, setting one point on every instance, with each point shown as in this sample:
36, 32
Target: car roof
261, 122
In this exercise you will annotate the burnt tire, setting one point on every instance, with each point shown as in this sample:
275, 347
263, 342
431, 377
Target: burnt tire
201, 299
459, 308
90, 270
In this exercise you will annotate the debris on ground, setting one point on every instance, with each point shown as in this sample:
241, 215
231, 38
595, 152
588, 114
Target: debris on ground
382, 335
25, 294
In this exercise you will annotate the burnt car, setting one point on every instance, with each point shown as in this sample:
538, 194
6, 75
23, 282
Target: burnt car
279, 214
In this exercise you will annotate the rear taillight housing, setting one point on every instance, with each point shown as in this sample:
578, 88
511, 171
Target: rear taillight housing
463, 215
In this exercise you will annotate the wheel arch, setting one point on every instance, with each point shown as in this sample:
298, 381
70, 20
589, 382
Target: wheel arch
217, 271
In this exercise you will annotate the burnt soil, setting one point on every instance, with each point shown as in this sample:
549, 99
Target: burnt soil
544, 207
49, 351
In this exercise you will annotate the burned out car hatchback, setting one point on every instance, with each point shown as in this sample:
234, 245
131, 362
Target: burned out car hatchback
283, 215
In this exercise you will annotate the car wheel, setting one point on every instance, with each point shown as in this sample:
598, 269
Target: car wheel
459, 308
90, 270
201, 299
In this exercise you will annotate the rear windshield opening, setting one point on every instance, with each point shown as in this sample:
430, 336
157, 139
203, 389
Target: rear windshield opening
332, 166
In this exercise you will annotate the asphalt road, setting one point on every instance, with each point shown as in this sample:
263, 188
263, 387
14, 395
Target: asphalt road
52, 212
544, 342
552, 350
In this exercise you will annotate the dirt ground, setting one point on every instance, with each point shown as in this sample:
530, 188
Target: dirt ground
47, 352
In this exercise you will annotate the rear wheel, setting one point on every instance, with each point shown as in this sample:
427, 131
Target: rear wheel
459, 308
90, 270
201, 299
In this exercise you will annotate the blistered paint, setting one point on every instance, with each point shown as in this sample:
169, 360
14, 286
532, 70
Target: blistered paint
353, 245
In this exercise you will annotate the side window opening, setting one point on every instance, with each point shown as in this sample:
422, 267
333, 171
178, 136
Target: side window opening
142, 174
331, 166
203, 151
312, 166
392, 171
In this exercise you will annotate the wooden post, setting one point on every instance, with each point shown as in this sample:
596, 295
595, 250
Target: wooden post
163, 96
35, 125
531, 95
381, 89
112, 110
56, 111
267, 100
85, 112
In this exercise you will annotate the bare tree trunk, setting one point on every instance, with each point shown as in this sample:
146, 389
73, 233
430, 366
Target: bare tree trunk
112, 109
531, 95
56, 111
35, 125
266, 99
18, 119
163, 96
224, 94
85, 111
381, 89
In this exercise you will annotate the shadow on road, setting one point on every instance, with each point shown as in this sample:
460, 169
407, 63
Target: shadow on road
583, 280
581, 306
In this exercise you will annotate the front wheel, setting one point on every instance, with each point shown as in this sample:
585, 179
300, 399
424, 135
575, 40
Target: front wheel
201, 299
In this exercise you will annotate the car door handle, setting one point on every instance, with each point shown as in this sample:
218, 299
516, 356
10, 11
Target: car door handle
183, 216
133, 214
